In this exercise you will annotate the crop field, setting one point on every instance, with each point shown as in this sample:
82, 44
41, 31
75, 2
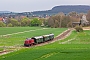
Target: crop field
19, 38
74, 47
17, 35
10, 30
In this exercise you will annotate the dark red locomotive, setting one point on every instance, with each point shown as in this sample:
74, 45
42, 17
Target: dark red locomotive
29, 42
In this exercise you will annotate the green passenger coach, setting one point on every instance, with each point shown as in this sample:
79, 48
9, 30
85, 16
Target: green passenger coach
46, 38
38, 39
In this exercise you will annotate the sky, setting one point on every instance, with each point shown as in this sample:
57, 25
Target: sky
36, 5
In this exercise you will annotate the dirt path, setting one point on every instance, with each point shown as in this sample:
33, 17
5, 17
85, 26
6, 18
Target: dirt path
5, 52
86, 28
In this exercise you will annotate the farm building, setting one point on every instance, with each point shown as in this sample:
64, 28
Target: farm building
83, 21
75, 24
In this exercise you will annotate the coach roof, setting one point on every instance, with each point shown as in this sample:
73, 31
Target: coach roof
38, 37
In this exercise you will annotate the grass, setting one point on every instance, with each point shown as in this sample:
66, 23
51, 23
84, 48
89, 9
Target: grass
78, 38
10, 30
18, 39
1, 49
72, 50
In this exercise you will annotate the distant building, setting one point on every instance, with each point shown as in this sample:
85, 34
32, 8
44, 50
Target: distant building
83, 21
75, 24
1, 19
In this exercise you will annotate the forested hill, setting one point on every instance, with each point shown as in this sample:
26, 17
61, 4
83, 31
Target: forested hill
5, 12
65, 9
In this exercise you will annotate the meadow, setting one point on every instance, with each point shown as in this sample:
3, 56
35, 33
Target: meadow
18, 39
74, 47
10, 30
15, 36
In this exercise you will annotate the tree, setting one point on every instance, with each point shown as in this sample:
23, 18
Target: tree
84, 21
45, 22
9, 25
66, 21
73, 14
51, 21
56, 20
79, 28
14, 22
60, 17
2, 24
88, 16
25, 21
35, 22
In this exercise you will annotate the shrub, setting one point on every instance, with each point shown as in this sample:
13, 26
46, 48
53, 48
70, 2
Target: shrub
2, 24
79, 28
9, 25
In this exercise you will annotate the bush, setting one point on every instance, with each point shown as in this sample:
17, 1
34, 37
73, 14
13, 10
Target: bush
79, 28
9, 25
2, 24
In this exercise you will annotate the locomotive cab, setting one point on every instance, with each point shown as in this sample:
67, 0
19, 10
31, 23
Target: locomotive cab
29, 42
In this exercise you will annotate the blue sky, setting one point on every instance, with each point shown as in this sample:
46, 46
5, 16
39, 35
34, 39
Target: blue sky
36, 5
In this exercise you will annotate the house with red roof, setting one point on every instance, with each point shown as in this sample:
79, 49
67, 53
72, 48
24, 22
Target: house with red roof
1, 19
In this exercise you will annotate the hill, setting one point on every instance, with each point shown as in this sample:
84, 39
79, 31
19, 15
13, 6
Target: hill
65, 9
5, 12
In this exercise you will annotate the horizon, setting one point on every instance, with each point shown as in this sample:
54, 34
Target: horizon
41, 10
37, 5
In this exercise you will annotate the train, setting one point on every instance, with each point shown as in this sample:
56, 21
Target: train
38, 39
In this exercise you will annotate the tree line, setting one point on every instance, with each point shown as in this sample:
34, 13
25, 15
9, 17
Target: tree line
55, 21
20, 22
61, 20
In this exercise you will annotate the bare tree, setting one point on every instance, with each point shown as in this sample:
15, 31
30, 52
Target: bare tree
88, 16
84, 21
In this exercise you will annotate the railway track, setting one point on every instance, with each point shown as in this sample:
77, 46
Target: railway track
59, 37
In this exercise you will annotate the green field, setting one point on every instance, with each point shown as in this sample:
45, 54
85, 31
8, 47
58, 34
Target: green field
74, 47
10, 30
18, 39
